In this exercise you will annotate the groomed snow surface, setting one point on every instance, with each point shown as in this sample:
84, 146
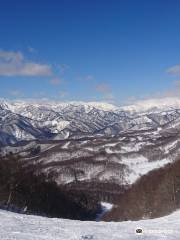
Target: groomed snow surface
23, 227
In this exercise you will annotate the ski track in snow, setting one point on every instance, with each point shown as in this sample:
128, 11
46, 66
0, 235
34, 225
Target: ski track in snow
23, 227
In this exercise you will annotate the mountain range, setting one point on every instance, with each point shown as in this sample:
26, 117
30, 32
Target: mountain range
96, 147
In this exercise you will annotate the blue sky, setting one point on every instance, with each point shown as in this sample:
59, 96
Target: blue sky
110, 50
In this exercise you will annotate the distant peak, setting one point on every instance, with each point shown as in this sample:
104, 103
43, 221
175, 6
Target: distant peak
153, 104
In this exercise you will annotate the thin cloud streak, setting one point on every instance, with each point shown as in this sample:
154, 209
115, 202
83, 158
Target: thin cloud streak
175, 70
16, 93
103, 88
56, 81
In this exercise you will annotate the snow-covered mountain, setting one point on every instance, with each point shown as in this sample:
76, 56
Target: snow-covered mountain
53, 120
154, 104
98, 148
98, 140
60, 120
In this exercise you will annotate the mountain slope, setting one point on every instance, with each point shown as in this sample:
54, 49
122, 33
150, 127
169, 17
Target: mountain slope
24, 227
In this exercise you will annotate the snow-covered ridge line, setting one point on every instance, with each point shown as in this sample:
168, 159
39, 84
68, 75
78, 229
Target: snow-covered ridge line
152, 104
12, 105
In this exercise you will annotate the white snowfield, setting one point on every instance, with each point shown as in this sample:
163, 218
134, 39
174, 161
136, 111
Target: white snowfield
23, 227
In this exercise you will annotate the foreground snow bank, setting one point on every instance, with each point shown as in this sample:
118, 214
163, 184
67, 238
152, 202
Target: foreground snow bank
23, 227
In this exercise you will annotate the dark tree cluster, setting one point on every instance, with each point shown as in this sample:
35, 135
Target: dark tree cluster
153, 195
24, 188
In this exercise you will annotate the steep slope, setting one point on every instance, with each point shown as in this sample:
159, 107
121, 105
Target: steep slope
20, 127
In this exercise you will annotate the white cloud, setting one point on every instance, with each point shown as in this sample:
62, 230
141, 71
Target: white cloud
31, 49
11, 56
56, 81
63, 94
86, 78
174, 70
103, 88
176, 83
14, 64
16, 93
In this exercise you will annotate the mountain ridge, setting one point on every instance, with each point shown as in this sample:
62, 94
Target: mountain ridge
78, 119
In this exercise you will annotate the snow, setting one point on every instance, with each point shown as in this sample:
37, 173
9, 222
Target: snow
59, 125
105, 207
132, 147
170, 146
152, 104
108, 150
140, 165
46, 147
137, 106
65, 146
23, 227
18, 104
